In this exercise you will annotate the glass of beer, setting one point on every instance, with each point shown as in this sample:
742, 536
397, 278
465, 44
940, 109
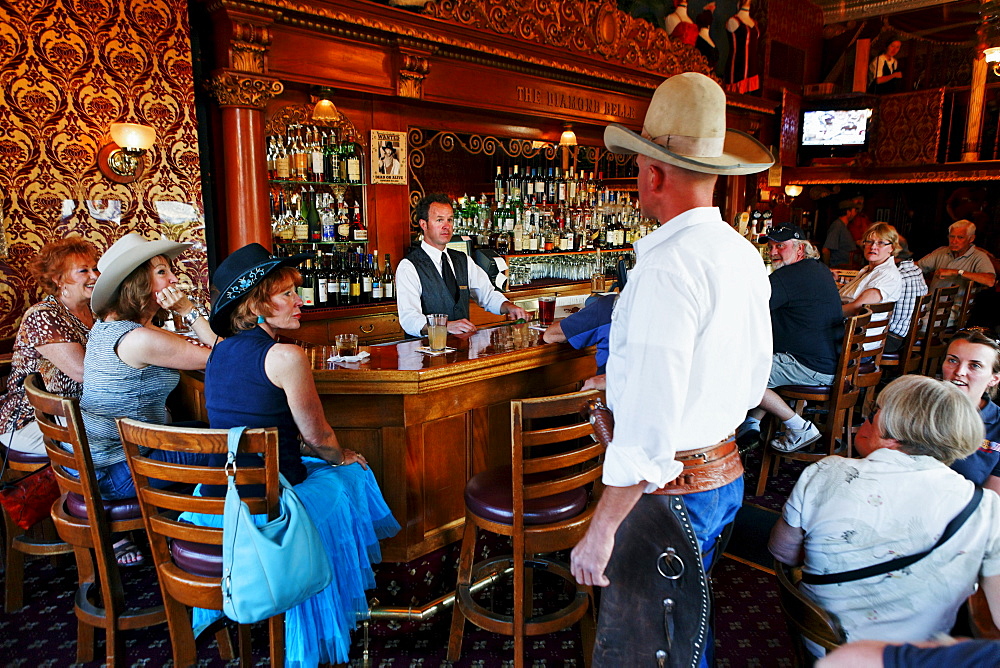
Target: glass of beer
437, 331
347, 345
546, 310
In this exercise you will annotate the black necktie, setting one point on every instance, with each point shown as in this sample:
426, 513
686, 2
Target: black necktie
449, 277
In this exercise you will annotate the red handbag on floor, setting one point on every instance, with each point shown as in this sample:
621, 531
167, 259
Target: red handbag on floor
29, 499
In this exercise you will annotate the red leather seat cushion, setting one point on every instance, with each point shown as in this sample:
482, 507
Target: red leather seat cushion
810, 389
890, 357
197, 558
490, 495
118, 509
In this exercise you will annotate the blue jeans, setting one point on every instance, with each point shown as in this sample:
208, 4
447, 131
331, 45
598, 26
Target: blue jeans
115, 481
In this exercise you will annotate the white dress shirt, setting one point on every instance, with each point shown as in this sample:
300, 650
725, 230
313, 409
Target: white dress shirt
408, 290
690, 346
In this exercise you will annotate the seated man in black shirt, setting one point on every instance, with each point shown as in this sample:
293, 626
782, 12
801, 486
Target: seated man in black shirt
806, 325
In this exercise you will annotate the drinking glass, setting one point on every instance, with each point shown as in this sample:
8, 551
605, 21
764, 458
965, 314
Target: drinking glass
437, 331
347, 345
546, 310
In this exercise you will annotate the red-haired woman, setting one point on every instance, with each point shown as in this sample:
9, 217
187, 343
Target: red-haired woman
52, 337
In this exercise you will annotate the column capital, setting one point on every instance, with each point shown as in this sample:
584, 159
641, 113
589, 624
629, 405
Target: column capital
234, 89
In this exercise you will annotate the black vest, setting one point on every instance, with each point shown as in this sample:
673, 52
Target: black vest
434, 295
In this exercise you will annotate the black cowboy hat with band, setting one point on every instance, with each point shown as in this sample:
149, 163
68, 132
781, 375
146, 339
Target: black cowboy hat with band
237, 275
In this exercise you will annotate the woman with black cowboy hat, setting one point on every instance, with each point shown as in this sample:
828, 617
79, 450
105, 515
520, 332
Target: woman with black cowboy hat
131, 365
253, 381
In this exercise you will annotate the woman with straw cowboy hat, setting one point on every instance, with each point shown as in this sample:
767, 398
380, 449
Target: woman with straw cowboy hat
256, 297
131, 363
677, 384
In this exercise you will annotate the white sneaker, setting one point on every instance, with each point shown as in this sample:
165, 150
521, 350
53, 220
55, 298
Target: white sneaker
796, 439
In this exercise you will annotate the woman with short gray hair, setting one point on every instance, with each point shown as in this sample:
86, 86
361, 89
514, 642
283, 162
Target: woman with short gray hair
850, 514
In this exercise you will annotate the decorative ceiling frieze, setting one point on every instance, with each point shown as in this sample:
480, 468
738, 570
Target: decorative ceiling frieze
838, 11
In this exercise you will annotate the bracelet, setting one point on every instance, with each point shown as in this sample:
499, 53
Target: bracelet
197, 312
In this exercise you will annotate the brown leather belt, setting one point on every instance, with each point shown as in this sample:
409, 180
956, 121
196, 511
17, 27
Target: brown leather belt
706, 468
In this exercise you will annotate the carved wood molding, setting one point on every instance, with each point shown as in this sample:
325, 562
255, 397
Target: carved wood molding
630, 42
414, 66
586, 27
300, 114
231, 89
249, 46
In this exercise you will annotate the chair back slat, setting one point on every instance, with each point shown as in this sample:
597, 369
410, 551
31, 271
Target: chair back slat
934, 343
878, 330
562, 457
909, 356
160, 508
968, 299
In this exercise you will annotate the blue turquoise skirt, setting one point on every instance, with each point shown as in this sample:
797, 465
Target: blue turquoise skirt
347, 508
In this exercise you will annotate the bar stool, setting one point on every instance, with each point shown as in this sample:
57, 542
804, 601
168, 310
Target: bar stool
544, 502
86, 522
188, 558
909, 357
935, 342
870, 370
38, 541
835, 403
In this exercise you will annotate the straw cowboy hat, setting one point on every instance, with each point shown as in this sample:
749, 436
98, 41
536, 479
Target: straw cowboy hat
237, 275
121, 260
685, 126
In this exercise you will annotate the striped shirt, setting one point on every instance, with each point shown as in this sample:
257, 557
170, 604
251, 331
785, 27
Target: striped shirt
914, 286
113, 389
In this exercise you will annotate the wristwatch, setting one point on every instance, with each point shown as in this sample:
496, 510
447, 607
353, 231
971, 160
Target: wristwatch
197, 312
961, 272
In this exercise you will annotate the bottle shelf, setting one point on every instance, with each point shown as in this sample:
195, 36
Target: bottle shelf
291, 182
556, 253
300, 242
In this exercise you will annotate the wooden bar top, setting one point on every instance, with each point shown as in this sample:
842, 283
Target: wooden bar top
400, 368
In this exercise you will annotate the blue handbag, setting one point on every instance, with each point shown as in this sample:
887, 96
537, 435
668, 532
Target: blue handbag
268, 569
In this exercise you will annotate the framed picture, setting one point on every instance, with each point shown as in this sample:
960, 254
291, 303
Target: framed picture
388, 164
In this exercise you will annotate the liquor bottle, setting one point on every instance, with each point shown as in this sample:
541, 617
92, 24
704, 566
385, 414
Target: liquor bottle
282, 168
498, 191
571, 188
514, 184
272, 154
315, 157
351, 149
345, 281
300, 226
550, 188
377, 294
299, 157
540, 186
343, 221
529, 185
322, 283
355, 279
366, 279
388, 281
312, 215
331, 158
327, 218
560, 188
307, 291
359, 232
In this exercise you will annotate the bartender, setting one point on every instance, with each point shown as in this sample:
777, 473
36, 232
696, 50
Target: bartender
435, 279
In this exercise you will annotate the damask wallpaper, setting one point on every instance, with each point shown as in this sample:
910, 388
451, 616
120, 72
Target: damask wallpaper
68, 69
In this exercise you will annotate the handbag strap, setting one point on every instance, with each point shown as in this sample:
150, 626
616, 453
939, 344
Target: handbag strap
235, 434
900, 562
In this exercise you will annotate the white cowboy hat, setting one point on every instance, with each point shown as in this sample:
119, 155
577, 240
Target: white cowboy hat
685, 126
121, 260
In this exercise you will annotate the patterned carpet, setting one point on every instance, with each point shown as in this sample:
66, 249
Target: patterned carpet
751, 631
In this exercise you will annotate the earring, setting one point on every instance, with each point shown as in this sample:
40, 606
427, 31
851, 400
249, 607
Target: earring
261, 320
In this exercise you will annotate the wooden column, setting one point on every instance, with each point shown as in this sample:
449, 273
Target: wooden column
246, 215
974, 121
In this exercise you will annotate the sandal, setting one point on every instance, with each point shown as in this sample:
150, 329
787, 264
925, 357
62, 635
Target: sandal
127, 554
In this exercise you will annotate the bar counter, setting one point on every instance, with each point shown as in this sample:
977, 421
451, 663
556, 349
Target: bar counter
426, 424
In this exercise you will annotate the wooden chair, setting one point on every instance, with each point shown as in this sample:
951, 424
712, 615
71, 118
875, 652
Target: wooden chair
188, 558
909, 357
968, 299
836, 401
935, 342
87, 522
805, 619
870, 371
980, 617
545, 505
38, 541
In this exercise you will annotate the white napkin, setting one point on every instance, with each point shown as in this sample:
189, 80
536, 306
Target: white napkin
427, 351
360, 357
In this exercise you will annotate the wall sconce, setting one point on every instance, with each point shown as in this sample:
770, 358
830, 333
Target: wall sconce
121, 159
793, 190
993, 58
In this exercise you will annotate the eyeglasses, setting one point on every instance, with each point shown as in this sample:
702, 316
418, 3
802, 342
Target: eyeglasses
873, 242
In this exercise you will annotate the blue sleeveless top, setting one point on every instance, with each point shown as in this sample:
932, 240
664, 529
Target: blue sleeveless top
239, 394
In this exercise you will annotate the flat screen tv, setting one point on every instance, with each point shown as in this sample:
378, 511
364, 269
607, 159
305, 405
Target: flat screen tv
835, 127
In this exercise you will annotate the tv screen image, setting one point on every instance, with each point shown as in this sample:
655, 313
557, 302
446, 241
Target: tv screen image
835, 127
